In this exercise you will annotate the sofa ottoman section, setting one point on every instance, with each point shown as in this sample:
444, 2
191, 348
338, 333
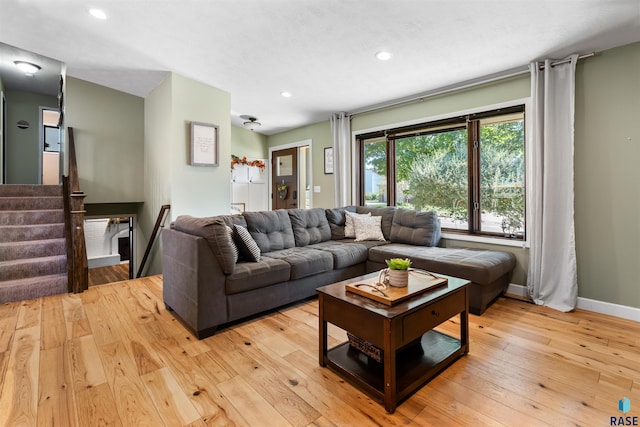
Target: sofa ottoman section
489, 271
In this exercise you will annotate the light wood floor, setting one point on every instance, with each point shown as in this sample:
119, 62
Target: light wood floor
104, 275
114, 356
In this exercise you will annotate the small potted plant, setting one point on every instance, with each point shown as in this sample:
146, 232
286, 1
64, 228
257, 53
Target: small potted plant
398, 271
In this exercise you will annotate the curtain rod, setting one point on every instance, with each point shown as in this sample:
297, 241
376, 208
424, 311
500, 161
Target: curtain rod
459, 86
564, 61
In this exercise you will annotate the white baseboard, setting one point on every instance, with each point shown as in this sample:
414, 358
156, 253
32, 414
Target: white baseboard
518, 290
623, 311
602, 307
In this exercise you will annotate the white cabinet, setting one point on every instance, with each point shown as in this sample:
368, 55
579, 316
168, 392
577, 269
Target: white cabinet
249, 186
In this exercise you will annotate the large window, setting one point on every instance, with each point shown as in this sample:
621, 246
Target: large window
469, 169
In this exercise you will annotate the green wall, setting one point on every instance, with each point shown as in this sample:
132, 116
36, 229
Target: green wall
248, 143
607, 176
157, 167
23, 145
320, 136
108, 130
168, 177
505, 90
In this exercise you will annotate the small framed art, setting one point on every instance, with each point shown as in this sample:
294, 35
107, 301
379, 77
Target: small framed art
204, 145
328, 160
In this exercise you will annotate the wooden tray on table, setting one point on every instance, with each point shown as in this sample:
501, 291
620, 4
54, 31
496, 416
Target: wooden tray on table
419, 281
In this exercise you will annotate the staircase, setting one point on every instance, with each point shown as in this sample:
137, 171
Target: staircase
33, 257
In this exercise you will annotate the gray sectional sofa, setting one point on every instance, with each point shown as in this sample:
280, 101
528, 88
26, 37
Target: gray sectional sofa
209, 278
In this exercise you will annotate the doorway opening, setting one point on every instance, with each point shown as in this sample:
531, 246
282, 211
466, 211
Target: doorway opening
50, 138
110, 248
291, 176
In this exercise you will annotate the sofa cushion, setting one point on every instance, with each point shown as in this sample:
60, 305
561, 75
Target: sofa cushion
368, 228
386, 212
270, 229
253, 275
349, 228
415, 228
336, 218
477, 265
245, 243
304, 261
344, 254
309, 226
215, 231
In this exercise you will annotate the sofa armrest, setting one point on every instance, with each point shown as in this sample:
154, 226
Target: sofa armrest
193, 282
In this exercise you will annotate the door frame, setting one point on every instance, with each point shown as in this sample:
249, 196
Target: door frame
298, 144
41, 110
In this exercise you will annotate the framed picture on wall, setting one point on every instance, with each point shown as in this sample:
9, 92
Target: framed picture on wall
328, 160
237, 208
204, 145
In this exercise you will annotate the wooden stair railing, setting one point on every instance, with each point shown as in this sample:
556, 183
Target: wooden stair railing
154, 233
77, 264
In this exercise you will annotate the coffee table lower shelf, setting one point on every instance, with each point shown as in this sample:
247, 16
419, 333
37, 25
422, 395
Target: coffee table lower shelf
416, 364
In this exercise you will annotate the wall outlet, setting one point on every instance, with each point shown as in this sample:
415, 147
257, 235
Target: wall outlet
316, 188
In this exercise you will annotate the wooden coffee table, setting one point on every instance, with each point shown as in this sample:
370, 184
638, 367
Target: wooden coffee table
412, 352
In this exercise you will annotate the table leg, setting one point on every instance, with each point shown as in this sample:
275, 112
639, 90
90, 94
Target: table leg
322, 332
390, 386
464, 323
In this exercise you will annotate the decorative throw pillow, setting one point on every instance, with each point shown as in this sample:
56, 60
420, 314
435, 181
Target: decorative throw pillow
349, 231
247, 247
368, 228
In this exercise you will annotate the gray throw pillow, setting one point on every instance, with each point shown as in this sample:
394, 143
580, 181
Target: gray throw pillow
336, 218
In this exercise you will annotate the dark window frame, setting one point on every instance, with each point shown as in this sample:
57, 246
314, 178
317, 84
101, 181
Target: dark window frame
474, 145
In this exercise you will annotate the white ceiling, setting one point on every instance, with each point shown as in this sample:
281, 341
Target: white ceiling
322, 51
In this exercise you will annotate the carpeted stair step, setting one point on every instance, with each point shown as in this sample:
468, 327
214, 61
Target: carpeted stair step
30, 203
32, 267
21, 233
32, 249
26, 217
33, 287
32, 190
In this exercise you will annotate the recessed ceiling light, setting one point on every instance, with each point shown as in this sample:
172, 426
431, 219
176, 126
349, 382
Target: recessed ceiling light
98, 13
383, 55
286, 94
27, 67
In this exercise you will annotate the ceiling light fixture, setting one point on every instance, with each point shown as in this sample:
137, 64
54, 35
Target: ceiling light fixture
27, 67
383, 55
98, 13
286, 94
251, 122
